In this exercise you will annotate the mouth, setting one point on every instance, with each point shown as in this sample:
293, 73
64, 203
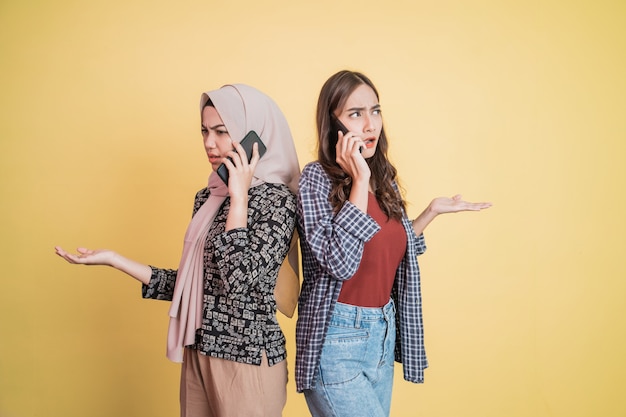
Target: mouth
214, 159
369, 142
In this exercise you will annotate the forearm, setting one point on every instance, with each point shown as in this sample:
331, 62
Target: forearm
424, 219
139, 271
242, 254
358, 195
237, 213
337, 240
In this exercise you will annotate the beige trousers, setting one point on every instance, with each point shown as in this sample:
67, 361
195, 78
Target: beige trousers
212, 387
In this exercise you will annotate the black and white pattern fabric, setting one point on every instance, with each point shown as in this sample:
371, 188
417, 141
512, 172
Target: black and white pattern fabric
240, 267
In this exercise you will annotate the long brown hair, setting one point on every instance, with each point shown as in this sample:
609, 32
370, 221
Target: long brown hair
334, 94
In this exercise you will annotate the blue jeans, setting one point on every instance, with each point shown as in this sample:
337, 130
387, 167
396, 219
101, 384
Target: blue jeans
355, 375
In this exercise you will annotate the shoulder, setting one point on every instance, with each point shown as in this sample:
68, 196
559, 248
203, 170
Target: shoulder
313, 169
278, 193
202, 194
201, 197
315, 176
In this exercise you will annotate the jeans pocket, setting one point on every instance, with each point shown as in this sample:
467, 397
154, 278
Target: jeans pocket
342, 355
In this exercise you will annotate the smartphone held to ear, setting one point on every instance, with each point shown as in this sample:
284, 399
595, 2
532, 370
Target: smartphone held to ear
337, 126
246, 143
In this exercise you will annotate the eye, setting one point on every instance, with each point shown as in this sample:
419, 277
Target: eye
221, 131
355, 114
204, 131
376, 111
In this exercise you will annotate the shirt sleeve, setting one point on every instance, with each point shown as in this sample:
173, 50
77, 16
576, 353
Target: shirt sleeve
161, 285
244, 256
162, 281
336, 240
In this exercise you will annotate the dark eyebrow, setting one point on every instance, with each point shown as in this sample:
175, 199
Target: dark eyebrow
353, 109
213, 127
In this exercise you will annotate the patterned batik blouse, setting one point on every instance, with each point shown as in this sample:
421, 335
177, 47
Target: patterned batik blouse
240, 271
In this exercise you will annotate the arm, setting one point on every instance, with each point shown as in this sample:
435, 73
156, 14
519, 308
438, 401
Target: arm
351, 161
442, 205
240, 173
336, 240
246, 256
110, 258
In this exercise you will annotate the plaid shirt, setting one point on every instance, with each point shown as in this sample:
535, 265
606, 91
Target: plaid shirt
332, 247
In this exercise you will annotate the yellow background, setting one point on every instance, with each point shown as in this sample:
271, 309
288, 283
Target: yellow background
521, 103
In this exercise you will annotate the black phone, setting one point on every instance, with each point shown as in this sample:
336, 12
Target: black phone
250, 139
336, 126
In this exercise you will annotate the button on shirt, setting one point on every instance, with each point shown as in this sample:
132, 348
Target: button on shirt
332, 247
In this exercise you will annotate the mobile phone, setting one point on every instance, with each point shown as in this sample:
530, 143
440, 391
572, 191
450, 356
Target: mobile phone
335, 126
250, 139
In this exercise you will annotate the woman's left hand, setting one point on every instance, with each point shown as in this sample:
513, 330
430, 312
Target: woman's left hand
455, 204
441, 205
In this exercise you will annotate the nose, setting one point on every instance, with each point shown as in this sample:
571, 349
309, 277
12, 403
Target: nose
368, 126
209, 141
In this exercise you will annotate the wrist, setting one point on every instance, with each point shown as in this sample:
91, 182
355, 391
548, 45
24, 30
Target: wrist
430, 210
116, 261
239, 202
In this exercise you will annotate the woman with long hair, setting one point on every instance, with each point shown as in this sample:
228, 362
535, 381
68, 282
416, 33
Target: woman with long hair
360, 303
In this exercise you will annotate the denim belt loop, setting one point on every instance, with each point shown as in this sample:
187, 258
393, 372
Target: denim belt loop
357, 319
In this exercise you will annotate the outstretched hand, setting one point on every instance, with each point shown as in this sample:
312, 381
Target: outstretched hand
455, 204
442, 205
87, 256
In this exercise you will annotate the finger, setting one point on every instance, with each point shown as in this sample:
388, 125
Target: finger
477, 206
255, 156
241, 155
357, 145
340, 145
351, 144
63, 254
228, 163
233, 158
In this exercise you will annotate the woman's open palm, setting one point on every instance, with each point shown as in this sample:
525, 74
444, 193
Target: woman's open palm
87, 256
455, 204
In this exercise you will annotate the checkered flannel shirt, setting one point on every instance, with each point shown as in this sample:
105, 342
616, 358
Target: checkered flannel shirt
332, 246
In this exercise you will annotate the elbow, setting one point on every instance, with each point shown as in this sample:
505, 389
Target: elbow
341, 270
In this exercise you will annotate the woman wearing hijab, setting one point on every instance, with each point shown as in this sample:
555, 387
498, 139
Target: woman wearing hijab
223, 325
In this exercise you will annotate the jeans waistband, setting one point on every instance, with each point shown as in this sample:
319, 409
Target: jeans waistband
364, 313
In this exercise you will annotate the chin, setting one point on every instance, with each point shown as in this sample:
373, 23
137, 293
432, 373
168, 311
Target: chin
368, 153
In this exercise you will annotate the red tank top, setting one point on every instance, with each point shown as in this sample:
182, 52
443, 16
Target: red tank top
371, 285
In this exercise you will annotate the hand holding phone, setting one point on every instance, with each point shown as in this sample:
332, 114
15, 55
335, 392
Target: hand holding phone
335, 127
247, 144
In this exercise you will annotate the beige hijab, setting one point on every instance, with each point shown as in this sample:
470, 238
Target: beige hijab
242, 108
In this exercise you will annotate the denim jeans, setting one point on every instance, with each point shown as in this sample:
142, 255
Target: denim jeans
355, 375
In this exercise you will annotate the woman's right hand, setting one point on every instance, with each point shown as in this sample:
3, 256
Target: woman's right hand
352, 162
350, 159
87, 256
139, 271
